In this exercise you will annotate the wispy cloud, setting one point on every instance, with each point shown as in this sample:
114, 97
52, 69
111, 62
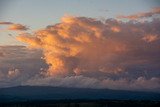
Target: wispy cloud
5, 23
17, 27
141, 15
14, 26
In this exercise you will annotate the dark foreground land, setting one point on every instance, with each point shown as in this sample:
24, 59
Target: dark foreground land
83, 103
45, 96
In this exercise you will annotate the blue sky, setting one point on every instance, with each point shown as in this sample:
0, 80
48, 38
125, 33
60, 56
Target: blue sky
40, 13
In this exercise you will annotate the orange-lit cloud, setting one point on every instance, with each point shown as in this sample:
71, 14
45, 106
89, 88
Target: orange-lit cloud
86, 52
115, 29
81, 45
17, 27
1, 54
14, 26
154, 11
76, 43
150, 38
5, 23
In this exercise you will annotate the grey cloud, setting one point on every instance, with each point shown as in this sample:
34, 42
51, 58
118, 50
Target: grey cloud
19, 64
140, 83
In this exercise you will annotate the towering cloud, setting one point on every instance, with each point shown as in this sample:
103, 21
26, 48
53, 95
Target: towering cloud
88, 52
79, 44
142, 14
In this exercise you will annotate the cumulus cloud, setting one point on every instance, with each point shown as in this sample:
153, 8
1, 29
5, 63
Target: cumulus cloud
86, 52
80, 45
76, 43
154, 11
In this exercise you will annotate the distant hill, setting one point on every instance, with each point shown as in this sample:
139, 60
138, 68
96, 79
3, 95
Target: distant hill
29, 93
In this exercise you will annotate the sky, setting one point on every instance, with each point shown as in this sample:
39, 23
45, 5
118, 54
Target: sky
50, 12
80, 43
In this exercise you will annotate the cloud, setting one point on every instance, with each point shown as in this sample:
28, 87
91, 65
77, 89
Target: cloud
1, 54
86, 52
81, 45
19, 64
115, 29
10, 78
150, 38
76, 43
17, 27
14, 26
5, 23
154, 11
1, 76
13, 73
140, 83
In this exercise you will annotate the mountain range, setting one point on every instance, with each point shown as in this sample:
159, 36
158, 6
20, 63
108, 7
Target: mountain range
29, 93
